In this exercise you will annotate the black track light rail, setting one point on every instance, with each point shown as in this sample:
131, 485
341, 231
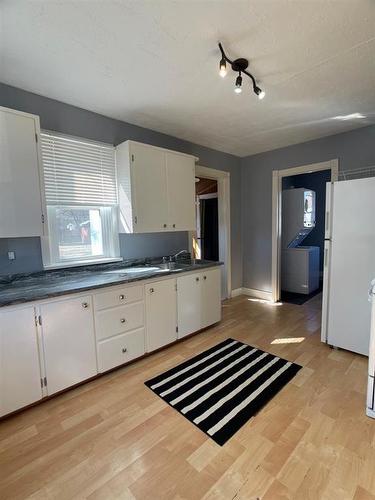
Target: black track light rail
240, 65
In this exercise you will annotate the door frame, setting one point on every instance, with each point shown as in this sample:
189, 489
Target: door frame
277, 178
223, 195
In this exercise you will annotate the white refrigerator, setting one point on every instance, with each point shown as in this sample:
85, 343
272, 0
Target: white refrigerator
349, 264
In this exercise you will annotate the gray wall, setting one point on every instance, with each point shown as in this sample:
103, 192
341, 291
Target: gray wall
354, 149
60, 117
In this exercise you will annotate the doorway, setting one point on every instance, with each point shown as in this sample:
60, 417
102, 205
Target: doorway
277, 202
213, 222
207, 219
302, 236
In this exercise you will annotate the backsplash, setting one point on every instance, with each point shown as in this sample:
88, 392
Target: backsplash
132, 246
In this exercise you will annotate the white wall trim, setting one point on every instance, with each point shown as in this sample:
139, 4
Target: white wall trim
223, 194
277, 177
252, 292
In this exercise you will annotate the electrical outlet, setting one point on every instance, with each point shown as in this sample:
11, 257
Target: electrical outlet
12, 255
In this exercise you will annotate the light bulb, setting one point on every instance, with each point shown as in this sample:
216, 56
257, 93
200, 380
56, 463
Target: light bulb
259, 92
238, 86
223, 68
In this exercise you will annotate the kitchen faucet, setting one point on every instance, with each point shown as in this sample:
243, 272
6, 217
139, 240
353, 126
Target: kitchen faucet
174, 257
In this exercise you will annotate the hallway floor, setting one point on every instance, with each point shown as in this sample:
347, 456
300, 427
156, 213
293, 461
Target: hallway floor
112, 438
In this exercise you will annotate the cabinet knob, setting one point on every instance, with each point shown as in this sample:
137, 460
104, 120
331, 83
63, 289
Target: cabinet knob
196, 279
152, 290
124, 350
204, 277
123, 320
122, 297
85, 305
174, 225
164, 225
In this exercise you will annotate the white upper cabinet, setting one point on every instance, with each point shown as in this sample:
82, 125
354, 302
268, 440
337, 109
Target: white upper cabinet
20, 194
156, 189
181, 191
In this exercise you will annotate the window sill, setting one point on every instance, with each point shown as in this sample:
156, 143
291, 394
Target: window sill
83, 263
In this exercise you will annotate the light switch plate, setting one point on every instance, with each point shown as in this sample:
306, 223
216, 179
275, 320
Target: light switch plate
11, 255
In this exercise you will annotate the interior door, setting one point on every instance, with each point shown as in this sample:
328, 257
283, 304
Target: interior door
149, 185
352, 264
181, 191
20, 199
189, 304
69, 342
160, 313
19, 360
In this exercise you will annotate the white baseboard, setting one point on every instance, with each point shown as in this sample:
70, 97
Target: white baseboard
252, 292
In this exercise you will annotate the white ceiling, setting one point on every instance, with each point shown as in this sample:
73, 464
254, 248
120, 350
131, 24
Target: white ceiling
155, 64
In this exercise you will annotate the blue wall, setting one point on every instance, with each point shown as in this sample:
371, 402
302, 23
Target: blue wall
354, 149
60, 117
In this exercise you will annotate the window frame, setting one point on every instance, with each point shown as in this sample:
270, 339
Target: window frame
47, 243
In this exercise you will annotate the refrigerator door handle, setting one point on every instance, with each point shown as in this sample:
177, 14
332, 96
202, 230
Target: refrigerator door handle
371, 291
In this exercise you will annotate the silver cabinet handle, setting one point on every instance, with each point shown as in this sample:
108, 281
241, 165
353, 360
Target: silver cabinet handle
85, 305
196, 279
173, 225
124, 350
123, 320
164, 225
152, 290
122, 297
204, 277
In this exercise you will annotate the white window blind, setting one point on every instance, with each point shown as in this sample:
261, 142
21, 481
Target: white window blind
78, 172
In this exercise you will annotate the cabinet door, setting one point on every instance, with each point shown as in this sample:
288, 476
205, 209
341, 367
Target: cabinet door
211, 297
20, 378
149, 185
161, 318
189, 304
69, 342
20, 199
181, 192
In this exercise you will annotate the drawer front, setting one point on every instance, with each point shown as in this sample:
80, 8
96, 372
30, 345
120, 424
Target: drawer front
118, 296
121, 319
120, 349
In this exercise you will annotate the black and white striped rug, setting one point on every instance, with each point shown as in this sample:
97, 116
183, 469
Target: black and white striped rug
220, 389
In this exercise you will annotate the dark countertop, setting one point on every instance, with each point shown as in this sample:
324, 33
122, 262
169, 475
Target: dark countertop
21, 288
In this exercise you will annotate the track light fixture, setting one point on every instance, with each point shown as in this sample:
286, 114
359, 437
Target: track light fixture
240, 66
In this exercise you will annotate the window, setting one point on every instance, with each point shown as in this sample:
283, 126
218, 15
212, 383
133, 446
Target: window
81, 198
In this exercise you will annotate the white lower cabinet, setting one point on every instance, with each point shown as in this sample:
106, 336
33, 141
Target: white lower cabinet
68, 342
211, 297
120, 349
160, 314
48, 347
20, 378
189, 304
198, 301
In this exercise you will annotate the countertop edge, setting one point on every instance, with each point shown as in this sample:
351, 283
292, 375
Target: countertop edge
81, 289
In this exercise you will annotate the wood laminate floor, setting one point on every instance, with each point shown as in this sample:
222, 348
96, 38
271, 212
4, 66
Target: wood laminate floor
113, 438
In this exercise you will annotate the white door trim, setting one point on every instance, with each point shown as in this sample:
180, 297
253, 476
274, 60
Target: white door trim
223, 194
277, 177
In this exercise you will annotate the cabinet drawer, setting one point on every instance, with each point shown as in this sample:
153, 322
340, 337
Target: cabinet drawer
118, 296
119, 320
120, 349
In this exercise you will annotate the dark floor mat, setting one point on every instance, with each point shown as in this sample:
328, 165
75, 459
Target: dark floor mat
299, 298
